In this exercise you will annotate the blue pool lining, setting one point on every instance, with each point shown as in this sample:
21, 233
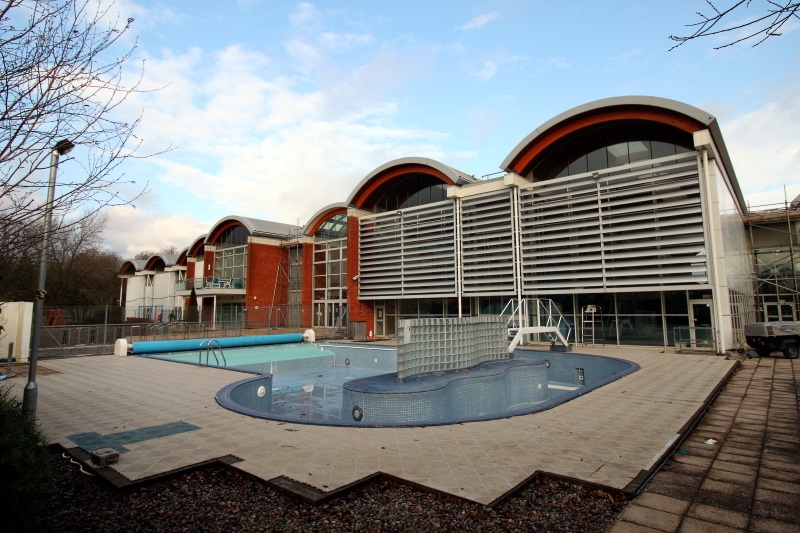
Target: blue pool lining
224, 398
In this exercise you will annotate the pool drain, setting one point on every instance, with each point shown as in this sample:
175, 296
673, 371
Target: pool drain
358, 413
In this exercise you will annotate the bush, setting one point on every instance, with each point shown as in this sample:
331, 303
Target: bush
25, 467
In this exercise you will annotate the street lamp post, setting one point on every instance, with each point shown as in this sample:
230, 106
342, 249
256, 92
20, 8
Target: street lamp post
31, 392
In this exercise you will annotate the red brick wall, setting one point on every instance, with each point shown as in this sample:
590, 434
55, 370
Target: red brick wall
262, 271
190, 265
307, 289
359, 311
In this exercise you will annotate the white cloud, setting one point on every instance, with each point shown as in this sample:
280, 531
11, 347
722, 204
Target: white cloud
625, 56
305, 16
255, 142
490, 67
765, 147
479, 21
487, 71
131, 231
345, 41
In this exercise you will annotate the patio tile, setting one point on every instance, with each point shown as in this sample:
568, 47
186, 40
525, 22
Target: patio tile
585, 438
716, 515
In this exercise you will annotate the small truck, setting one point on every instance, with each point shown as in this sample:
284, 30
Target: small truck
768, 337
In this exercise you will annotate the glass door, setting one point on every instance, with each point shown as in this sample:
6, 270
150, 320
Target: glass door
379, 319
702, 324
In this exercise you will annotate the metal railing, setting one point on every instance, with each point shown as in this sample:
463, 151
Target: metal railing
70, 341
693, 339
529, 312
211, 282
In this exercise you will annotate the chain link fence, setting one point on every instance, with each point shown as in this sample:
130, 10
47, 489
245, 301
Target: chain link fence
79, 331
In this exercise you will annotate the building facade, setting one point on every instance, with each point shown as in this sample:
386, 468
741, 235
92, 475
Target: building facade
625, 212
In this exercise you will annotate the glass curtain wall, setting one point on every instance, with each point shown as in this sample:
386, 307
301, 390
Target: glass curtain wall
646, 318
230, 259
330, 274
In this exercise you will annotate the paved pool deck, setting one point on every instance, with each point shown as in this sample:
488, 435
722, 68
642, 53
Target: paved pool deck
164, 417
748, 479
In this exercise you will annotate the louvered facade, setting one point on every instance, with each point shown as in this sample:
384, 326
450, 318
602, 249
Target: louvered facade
487, 244
408, 253
628, 205
638, 227
613, 207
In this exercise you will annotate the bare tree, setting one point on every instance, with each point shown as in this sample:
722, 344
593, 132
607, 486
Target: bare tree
62, 78
147, 254
144, 254
81, 270
767, 21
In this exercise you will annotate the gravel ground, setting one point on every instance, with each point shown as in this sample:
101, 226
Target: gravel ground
215, 498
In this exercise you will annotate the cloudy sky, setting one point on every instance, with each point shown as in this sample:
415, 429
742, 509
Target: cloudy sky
276, 109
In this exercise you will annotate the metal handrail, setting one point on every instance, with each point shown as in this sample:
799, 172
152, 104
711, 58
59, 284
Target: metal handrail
209, 347
544, 307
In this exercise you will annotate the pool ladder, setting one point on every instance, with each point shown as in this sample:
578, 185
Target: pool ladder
211, 348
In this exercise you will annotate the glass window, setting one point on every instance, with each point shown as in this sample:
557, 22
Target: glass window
231, 264
676, 303
230, 237
333, 228
610, 145
411, 191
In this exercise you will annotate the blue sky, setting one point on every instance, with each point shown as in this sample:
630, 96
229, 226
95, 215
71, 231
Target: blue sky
276, 109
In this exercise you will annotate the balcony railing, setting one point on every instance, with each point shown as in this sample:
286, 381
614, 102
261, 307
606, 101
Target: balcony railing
211, 282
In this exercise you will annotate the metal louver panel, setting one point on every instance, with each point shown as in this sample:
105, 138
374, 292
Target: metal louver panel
639, 227
408, 253
487, 244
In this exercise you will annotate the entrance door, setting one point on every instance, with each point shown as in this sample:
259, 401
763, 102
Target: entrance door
702, 330
778, 312
379, 319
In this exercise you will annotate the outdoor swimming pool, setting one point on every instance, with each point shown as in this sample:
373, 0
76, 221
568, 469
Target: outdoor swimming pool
356, 385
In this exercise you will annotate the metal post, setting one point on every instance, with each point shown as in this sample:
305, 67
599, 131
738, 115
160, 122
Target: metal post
9, 373
31, 392
105, 328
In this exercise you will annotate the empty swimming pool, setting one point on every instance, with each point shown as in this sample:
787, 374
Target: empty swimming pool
355, 385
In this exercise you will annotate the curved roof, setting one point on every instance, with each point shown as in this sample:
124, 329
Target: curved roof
671, 112
677, 114
167, 259
182, 257
257, 227
135, 265
403, 166
197, 243
318, 218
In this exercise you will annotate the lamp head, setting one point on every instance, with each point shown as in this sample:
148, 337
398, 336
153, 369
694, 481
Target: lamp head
63, 147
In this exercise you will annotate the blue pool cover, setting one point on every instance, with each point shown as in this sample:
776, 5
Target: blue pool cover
144, 347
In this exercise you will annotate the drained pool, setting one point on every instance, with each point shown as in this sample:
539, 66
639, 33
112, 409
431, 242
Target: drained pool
354, 385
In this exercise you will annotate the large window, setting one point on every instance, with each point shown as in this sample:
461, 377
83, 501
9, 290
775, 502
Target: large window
230, 266
411, 191
330, 273
611, 145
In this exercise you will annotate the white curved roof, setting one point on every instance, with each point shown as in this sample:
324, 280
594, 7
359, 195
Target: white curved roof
663, 103
261, 228
456, 176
